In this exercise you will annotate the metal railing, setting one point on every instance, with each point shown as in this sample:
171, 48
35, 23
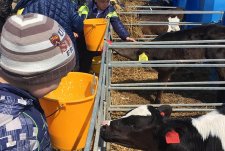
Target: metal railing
97, 115
148, 12
103, 106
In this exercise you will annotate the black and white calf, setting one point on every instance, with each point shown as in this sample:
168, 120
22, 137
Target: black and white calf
150, 129
204, 32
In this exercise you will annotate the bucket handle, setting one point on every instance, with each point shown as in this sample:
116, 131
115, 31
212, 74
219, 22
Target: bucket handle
93, 83
93, 26
58, 108
99, 45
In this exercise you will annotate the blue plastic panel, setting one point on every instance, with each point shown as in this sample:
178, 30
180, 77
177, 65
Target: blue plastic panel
202, 5
213, 5
193, 5
180, 3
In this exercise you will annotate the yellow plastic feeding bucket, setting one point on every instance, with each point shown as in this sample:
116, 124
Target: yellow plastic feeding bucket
96, 64
68, 110
94, 31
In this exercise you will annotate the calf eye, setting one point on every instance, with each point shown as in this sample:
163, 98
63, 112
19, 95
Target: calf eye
132, 125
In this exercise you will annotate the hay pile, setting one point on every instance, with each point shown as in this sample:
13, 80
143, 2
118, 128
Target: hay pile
135, 31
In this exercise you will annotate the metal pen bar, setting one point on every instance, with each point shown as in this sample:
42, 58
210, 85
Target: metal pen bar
145, 0
165, 88
151, 7
170, 61
147, 64
166, 22
173, 105
162, 24
172, 12
150, 35
166, 83
96, 107
147, 10
165, 46
100, 115
135, 38
171, 42
174, 110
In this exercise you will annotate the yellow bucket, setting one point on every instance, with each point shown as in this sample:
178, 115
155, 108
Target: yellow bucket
96, 64
94, 31
68, 110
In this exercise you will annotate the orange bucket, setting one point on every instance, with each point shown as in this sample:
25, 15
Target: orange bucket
68, 110
94, 32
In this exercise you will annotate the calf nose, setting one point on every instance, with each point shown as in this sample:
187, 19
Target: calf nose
103, 128
106, 122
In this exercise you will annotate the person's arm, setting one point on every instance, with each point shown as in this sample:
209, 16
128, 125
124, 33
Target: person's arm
119, 28
76, 20
83, 11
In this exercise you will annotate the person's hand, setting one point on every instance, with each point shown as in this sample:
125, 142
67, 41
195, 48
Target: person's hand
75, 35
130, 39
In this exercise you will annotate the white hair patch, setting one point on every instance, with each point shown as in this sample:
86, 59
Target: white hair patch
173, 24
211, 124
141, 111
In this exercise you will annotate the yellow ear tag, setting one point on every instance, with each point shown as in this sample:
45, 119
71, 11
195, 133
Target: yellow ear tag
20, 11
143, 57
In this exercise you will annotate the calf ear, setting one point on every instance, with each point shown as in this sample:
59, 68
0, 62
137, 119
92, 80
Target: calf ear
180, 16
165, 110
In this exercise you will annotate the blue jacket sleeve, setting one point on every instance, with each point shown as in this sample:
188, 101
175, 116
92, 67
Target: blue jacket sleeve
119, 28
76, 20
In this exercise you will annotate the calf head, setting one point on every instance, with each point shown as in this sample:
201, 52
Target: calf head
162, 29
138, 128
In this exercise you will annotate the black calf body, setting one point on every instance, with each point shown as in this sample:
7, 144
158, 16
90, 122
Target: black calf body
153, 132
206, 32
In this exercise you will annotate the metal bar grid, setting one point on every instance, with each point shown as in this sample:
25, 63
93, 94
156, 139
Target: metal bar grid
158, 63
103, 106
97, 109
198, 107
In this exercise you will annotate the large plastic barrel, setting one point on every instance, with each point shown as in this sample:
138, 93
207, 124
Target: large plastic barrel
94, 31
68, 110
